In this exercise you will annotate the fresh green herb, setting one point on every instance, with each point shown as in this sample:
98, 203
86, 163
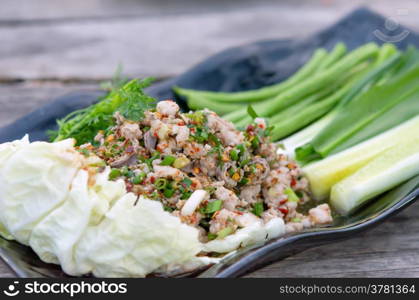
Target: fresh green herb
224, 232
244, 181
168, 160
186, 195
149, 162
139, 178
84, 124
213, 206
251, 112
258, 209
186, 182
168, 208
255, 142
115, 173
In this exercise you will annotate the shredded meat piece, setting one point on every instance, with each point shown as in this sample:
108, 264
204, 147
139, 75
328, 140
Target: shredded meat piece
230, 200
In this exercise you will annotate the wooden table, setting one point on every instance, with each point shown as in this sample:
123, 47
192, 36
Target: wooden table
49, 48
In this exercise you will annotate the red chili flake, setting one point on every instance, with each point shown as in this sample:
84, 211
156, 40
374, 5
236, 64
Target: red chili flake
261, 126
152, 179
283, 210
193, 185
181, 123
155, 134
240, 213
293, 182
283, 201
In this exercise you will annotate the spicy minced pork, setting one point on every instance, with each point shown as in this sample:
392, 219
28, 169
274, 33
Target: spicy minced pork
206, 172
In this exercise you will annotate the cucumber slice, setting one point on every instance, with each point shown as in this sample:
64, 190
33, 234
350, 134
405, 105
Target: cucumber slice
389, 169
325, 173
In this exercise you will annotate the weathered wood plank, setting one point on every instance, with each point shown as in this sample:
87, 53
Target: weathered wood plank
17, 100
162, 44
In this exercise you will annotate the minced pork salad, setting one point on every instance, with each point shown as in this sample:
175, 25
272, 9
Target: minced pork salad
167, 194
206, 172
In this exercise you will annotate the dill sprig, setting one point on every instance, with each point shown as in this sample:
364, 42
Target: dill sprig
128, 99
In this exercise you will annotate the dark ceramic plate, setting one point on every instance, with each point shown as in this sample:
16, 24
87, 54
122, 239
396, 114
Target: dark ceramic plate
246, 67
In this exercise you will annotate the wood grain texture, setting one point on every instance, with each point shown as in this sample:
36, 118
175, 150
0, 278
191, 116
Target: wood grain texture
45, 40
49, 48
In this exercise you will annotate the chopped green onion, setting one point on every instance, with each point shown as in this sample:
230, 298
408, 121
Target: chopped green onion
168, 160
139, 178
161, 183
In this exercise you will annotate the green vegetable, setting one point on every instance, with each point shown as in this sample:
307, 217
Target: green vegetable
161, 183
292, 197
251, 112
84, 124
168, 192
363, 111
168, 160
224, 232
261, 94
181, 162
211, 236
258, 209
387, 60
149, 161
213, 206
234, 155
139, 178
389, 169
323, 79
325, 173
186, 182
115, 173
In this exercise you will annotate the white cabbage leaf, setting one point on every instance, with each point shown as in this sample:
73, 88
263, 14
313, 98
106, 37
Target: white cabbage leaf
136, 237
7, 150
55, 237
